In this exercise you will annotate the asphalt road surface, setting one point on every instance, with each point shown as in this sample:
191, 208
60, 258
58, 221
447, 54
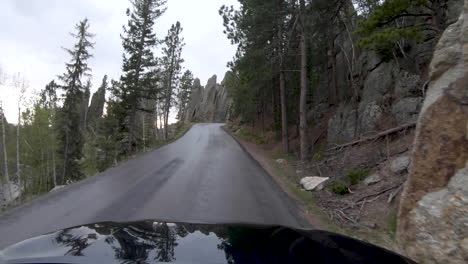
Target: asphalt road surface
204, 177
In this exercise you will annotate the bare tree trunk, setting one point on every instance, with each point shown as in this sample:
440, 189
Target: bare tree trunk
334, 88
54, 172
143, 126
284, 115
65, 157
5, 155
303, 93
18, 167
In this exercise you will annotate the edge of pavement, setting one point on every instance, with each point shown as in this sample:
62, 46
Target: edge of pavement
307, 209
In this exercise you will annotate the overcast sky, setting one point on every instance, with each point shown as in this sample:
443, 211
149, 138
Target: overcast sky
33, 32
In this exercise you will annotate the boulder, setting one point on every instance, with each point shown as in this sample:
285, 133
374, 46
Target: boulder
407, 84
433, 216
442, 220
369, 114
342, 126
406, 110
313, 183
378, 82
400, 164
372, 179
280, 161
58, 187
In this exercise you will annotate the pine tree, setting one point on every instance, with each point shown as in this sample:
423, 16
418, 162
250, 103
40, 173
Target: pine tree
184, 91
70, 135
172, 65
137, 81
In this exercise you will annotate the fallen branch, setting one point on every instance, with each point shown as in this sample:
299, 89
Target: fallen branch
393, 194
378, 135
379, 193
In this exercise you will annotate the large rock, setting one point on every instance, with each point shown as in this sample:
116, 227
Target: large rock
406, 110
369, 115
373, 179
407, 84
342, 126
379, 82
442, 220
209, 104
313, 183
196, 97
433, 215
400, 164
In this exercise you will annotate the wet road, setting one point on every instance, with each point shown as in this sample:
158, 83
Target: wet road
204, 177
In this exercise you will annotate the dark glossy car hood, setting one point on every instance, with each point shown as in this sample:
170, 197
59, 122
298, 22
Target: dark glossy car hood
156, 242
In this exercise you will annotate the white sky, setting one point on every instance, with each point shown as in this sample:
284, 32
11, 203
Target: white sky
33, 32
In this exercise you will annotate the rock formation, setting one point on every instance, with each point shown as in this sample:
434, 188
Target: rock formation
208, 104
433, 215
96, 108
379, 94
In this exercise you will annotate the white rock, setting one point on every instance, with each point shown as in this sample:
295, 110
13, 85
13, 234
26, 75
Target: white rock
400, 164
313, 183
280, 161
372, 179
58, 187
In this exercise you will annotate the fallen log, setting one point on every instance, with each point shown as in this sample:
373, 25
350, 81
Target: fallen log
376, 136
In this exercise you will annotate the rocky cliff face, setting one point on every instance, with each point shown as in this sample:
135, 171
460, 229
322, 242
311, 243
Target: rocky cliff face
208, 104
379, 94
433, 225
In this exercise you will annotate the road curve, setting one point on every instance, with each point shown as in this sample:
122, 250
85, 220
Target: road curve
204, 177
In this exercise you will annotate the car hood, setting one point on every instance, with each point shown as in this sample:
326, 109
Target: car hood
155, 242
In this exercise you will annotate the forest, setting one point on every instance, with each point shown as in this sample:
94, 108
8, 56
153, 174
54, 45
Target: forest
63, 134
298, 58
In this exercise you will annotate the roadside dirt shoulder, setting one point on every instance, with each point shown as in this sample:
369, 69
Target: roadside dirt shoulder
309, 212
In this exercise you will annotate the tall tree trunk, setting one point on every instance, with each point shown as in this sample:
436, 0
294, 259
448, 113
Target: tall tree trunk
54, 172
284, 115
65, 158
334, 88
143, 126
303, 94
18, 169
5, 155
167, 106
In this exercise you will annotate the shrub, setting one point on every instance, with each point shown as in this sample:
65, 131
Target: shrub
319, 154
357, 174
339, 188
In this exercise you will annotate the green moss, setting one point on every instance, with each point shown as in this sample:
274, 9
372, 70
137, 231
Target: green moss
339, 188
356, 175
319, 154
392, 222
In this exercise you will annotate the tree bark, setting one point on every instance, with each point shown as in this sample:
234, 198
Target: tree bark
18, 169
54, 172
5, 155
284, 115
334, 88
303, 93
65, 158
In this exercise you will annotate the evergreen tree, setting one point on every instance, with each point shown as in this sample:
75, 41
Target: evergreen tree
389, 23
110, 140
183, 95
70, 135
172, 65
137, 81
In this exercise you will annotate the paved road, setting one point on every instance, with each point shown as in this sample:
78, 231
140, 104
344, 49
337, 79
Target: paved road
204, 177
